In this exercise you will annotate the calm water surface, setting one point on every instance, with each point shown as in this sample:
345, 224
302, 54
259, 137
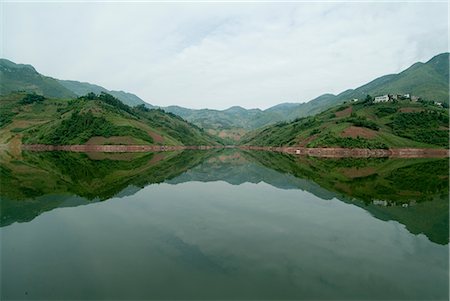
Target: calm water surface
222, 225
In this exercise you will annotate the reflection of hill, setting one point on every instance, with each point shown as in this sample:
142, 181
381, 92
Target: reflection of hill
367, 179
236, 168
413, 192
43, 181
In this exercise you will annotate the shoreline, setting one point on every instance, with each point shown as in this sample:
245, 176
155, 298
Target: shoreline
338, 152
331, 152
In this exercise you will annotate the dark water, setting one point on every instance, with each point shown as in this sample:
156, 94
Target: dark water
222, 225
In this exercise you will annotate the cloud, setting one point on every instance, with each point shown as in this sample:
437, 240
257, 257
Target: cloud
217, 55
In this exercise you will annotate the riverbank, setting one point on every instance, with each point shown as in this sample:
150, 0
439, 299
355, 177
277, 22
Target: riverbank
303, 151
115, 148
334, 152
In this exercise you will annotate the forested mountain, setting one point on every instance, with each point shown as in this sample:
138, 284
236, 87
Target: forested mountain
81, 89
429, 81
92, 119
362, 124
24, 78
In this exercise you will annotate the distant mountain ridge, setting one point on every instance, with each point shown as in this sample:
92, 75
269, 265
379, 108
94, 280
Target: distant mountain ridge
92, 119
24, 78
364, 124
20, 77
83, 88
429, 80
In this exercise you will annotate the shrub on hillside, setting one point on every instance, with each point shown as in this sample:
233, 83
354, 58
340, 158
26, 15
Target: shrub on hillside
422, 127
361, 122
329, 140
79, 128
31, 98
384, 111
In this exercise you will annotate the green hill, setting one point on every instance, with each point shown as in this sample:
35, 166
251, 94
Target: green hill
24, 78
362, 124
95, 119
427, 80
230, 124
81, 88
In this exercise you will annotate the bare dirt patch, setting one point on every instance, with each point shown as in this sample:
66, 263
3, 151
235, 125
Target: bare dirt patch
113, 156
233, 134
304, 142
356, 131
156, 158
22, 123
343, 187
15, 147
357, 172
344, 113
156, 137
235, 157
125, 140
411, 110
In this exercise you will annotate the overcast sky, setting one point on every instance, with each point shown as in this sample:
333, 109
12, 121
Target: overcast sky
218, 55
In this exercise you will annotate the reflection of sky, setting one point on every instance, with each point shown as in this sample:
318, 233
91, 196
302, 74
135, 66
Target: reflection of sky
246, 172
217, 240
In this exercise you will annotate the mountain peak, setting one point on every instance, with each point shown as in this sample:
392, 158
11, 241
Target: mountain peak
235, 109
7, 64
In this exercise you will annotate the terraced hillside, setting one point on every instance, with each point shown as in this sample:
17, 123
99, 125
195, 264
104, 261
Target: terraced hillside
92, 119
428, 80
362, 124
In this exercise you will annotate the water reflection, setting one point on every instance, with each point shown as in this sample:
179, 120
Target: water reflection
413, 192
38, 182
222, 225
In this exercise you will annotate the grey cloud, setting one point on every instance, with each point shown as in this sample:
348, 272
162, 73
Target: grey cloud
221, 54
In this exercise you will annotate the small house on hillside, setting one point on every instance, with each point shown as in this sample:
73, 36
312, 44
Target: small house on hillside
383, 98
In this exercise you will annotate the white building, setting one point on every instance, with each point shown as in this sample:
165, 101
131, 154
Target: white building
380, 202
383, 98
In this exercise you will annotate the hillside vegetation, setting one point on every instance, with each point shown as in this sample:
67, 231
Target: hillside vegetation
362, 124
24, 78
96, 119
428, 80
80, 89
